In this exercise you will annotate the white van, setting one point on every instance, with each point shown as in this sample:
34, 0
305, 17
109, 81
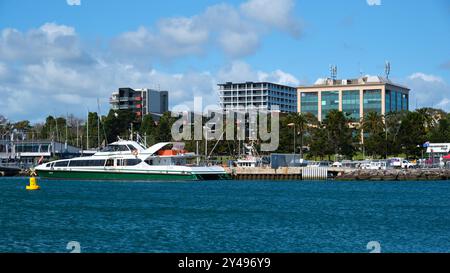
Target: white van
378, 165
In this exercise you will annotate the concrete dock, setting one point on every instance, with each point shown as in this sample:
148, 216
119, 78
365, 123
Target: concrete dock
342, 174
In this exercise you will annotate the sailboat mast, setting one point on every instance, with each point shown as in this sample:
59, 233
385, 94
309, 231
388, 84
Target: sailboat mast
78, 125
87, 132
98, 124
67, 119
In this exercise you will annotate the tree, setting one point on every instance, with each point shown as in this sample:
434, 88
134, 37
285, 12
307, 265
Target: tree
22, 125
431, 117
163, 131
319, 145
412, 133
117, 124
339, 134
375, 137
148, 129
48, 129
441, 132
96, 135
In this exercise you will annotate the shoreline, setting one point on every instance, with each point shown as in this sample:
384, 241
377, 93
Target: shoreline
337, 174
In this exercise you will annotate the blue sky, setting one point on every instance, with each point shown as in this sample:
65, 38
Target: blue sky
59, 56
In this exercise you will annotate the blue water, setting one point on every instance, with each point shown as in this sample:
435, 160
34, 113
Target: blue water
224, 216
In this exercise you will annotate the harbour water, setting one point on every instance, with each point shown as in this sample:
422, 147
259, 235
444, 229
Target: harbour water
225, 216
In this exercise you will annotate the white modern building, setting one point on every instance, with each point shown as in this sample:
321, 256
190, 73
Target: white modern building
257, 95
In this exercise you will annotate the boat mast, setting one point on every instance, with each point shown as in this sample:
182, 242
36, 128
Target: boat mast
67, 119
78, 124
87, 132
98, 124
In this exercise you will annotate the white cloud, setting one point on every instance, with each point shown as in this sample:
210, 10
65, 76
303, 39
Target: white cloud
73, 2
428, 91
54, 31
444, 103
48, 70
280, 77
426, 77
374, 2
50, 41
235, 31
273, 13
239, 71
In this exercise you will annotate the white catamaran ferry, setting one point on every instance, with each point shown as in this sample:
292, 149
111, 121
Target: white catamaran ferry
130, 160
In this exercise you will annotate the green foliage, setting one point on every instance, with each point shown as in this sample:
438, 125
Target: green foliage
163, 130
412, 133
339, 134
441, 132
118, 123
148, 129
375, 136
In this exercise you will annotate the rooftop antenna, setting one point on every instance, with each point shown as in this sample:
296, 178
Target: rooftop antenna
333, 72
387, 69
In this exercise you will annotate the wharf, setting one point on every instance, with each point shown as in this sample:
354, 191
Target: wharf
340, 174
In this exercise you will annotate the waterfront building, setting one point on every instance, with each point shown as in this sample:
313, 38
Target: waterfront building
355, 97
26, 153
142, 101
257, 95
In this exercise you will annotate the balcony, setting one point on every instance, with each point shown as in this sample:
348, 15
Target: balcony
113, 99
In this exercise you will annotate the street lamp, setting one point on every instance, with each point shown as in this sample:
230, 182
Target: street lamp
295, 132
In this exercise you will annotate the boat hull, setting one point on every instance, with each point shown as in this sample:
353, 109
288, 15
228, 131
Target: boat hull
131, 176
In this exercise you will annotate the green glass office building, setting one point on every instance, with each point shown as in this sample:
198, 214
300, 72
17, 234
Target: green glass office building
355, 97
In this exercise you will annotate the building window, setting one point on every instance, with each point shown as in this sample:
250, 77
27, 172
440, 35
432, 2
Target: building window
350, 104
405, 105
372, 101
399, 101
309, 103
387, 102
330, 101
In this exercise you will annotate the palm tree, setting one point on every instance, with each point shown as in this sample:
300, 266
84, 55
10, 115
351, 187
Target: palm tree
373, 123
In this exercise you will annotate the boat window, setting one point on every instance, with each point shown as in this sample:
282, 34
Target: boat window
123, 148
61, 163
149, 161
132, 162
109, 148
110, 162
131, 147
87, 163
77, 163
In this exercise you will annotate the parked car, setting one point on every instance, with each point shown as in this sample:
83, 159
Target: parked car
337, 164
378, 165
408, 165
365, 165
396, 162
315, 164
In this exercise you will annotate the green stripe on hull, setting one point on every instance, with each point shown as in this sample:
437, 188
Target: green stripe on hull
81, 175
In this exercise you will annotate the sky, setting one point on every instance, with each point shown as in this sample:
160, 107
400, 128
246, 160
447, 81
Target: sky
58, 57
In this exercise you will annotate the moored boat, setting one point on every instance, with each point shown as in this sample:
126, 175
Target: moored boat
130, 160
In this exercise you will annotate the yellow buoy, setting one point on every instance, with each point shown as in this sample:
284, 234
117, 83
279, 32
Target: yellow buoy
33, 185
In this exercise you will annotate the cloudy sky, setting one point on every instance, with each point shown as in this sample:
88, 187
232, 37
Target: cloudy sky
59, 56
